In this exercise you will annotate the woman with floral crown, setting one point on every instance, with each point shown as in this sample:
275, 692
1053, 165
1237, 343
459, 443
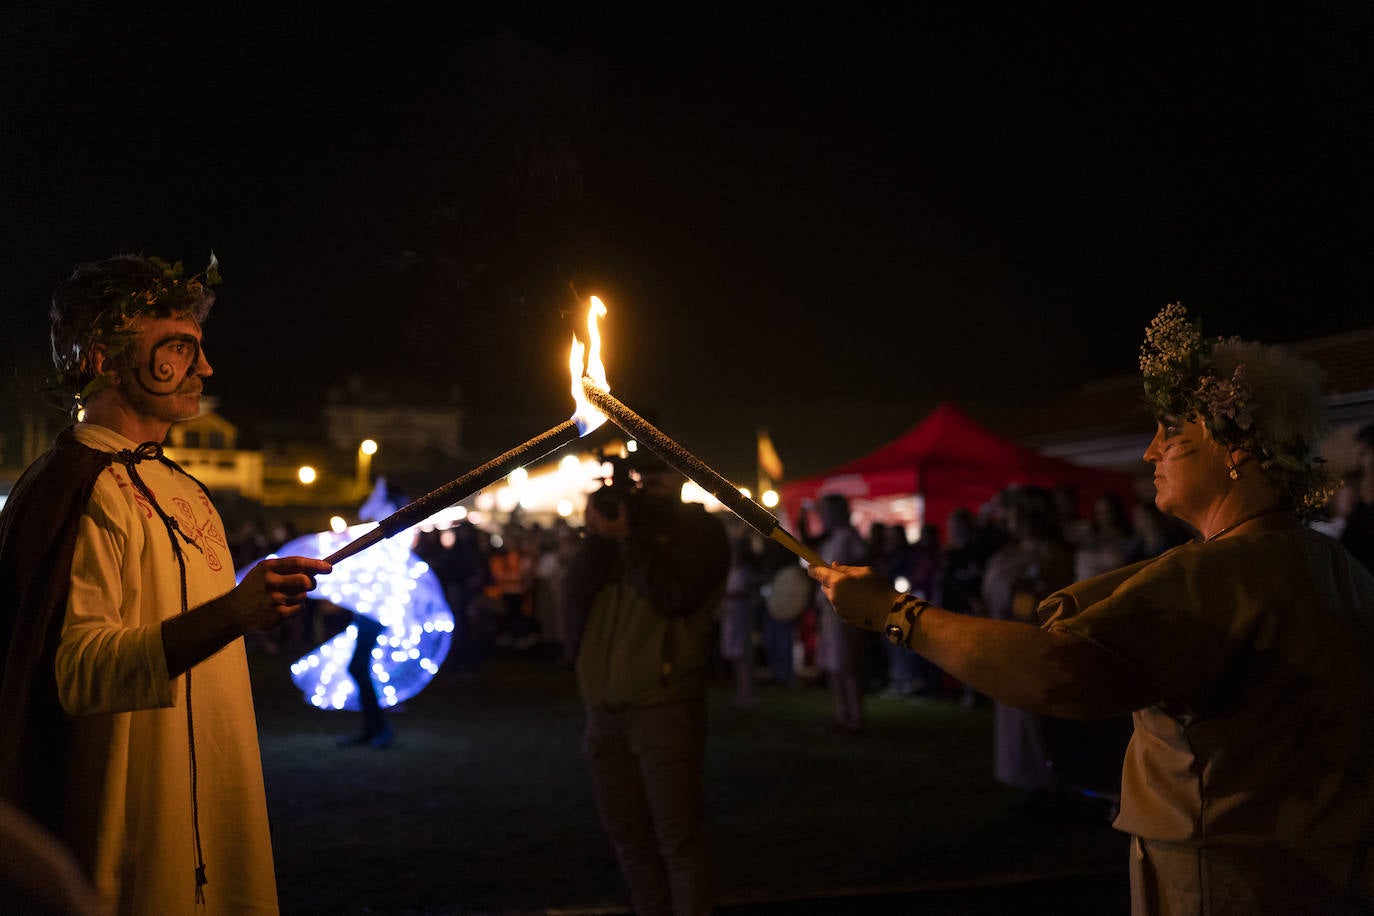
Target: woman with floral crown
1243, 656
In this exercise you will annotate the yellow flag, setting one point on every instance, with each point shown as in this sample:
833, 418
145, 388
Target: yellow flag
769, 462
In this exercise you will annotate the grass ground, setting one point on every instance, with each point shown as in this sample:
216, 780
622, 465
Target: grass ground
482, 806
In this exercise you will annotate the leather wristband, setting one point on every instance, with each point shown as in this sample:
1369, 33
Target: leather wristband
901, 620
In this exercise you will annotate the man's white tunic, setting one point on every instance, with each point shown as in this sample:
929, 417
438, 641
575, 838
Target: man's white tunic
129, 764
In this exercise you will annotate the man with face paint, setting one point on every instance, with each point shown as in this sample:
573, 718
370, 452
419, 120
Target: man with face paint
126, 716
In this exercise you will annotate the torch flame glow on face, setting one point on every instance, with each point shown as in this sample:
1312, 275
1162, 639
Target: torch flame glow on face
586, 416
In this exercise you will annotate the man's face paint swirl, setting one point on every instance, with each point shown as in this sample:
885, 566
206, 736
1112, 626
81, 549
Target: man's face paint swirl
172, 360
163, 376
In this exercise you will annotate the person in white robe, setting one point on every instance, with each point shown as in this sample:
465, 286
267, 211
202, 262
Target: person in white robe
162, 797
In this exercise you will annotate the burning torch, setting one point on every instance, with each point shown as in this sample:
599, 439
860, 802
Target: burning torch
584, 420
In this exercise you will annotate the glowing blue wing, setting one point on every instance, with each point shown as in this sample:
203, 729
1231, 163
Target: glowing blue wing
392, 586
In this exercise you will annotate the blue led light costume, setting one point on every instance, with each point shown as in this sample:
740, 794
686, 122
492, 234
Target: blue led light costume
391, 585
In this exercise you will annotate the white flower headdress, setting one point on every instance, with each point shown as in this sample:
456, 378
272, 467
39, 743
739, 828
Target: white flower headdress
1261, 399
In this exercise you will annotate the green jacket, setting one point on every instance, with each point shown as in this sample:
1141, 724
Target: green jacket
649, 605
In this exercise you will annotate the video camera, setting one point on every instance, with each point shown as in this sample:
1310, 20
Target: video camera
621, 488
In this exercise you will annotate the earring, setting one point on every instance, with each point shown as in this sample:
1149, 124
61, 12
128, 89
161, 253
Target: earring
1231, 469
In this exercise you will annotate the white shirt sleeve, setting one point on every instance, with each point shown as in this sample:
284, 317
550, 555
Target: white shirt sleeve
110, 656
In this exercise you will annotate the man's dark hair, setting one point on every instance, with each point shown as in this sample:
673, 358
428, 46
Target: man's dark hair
100, 299
1366, 435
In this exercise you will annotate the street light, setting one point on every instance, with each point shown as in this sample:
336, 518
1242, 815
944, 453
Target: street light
306, 474
366, 449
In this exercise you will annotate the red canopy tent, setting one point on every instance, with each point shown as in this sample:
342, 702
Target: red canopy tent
950, 460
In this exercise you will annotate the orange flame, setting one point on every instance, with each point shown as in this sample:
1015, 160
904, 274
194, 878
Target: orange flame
586, 416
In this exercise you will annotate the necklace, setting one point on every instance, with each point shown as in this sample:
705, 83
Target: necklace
1236, 524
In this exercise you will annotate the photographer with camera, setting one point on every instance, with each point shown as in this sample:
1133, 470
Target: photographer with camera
647, 580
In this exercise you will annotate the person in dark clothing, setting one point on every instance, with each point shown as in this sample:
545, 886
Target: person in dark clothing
647, 581
464, 571
1358, 536
785, 584
377, 732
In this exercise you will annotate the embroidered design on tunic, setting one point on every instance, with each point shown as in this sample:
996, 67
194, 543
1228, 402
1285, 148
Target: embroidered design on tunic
205, 536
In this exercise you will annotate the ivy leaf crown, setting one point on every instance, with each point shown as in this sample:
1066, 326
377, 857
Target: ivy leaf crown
166, 293
170, 294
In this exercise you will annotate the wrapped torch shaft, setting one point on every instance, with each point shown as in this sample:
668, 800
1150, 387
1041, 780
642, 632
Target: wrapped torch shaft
754, 515
461, 488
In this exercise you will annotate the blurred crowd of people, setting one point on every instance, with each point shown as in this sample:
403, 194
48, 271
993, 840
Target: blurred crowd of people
998, 560
505, 587
995, 560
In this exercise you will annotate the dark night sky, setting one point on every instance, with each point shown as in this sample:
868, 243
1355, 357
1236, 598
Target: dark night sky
823, 226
